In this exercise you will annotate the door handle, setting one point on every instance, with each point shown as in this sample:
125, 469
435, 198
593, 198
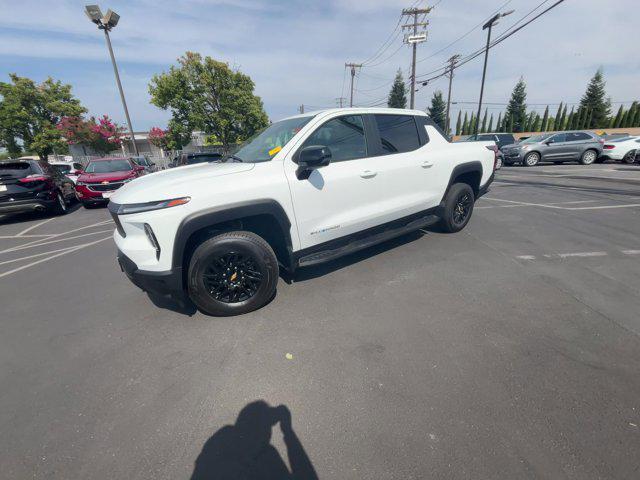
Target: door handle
427, 164
368, 174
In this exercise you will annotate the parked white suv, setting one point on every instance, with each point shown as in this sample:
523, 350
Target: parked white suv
306, 190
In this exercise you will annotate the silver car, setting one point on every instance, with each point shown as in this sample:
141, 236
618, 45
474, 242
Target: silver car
582, 147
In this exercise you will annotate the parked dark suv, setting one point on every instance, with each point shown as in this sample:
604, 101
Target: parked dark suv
33, 186
583, 147
500, 139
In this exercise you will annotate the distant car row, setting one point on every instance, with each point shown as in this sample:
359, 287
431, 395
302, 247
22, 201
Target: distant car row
28, 185
576, 146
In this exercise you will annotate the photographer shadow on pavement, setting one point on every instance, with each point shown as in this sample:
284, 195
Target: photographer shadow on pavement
243, 450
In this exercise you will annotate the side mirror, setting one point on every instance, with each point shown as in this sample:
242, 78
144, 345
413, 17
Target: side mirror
310, 158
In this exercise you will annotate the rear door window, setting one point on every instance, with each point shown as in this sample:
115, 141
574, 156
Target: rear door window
578, 137
398, 133
343, 135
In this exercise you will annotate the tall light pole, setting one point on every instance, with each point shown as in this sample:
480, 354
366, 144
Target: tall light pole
487, 26
106, 23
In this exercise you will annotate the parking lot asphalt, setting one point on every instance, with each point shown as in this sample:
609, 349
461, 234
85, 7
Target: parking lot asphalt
508, 350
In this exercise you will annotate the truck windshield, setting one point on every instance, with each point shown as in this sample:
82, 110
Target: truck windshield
263, 146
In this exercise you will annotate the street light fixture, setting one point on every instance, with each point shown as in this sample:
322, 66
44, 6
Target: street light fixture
487, 26
106, 23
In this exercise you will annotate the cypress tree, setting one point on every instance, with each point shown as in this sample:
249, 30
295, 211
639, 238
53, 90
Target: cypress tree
595, 99
465, 125
569, 124
545, 120
558, 121
499, 124
588, 117
632, 115
615, 121
625, 119
537, 123
528, 124
517, 108
509, 122
551, 126
636, 117
490, 129
398, 93
563, 120
459, 123
483, 128
437, 110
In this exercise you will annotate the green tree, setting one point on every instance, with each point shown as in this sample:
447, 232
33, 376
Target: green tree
570, 119
563, 120
595, 100
29, 113
465, 125
483, 125
517, 108
557, 122
101, 136
545, 120
499, 127
632, 115
472, 123
459, 123
636, 117
438, 110
490, 128
551, 126
207, 95
529, 122
398, 93
615, 121
537, 123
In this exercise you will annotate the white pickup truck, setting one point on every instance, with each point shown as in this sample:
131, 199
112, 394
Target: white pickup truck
305, 190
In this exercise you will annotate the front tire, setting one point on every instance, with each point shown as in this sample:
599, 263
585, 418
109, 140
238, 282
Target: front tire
589, 157
232, 273
531, 159
458, 207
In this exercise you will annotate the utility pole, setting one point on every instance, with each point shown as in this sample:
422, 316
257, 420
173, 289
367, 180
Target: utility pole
452, 65
340, 101
487, 26
301, 108
353, 67
413, 39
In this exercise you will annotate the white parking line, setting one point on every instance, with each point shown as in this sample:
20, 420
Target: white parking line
576, 255
56, 235
42, 243
36, 255
25, 236
34, 226
70, 250
560, 207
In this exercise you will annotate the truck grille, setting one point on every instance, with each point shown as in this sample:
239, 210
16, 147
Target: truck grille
104, 187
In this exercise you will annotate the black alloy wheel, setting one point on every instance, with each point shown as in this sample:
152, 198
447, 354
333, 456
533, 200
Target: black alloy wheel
232, 277
462, 208
458, 207
232, 273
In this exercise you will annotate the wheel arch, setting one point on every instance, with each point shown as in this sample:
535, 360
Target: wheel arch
469, 173
265, 218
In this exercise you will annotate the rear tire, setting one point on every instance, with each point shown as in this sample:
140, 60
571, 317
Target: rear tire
458, 207
60, 206
232, 273
589, 157
629, 158
531, 159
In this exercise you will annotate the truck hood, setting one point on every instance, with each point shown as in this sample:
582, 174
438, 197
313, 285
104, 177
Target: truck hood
175, 182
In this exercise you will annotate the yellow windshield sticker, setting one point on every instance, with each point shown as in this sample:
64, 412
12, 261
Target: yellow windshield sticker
274, 150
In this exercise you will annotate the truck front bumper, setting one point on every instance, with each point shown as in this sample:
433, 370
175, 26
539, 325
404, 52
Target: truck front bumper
161, 283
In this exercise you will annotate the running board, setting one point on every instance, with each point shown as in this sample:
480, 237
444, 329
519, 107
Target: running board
356, 245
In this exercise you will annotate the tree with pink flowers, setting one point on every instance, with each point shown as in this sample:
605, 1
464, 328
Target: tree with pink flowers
159, 138
101, 135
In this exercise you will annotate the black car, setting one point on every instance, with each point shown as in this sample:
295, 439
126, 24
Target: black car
501, 139
33, 186
193, 158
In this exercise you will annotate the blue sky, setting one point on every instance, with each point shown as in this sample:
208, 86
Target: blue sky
295, 50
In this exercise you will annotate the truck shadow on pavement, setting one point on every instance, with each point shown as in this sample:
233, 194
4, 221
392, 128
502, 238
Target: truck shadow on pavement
243, 450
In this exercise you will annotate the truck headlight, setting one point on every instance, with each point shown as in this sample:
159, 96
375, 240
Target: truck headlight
145, 207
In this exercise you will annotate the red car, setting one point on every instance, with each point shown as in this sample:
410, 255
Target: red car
103, 177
